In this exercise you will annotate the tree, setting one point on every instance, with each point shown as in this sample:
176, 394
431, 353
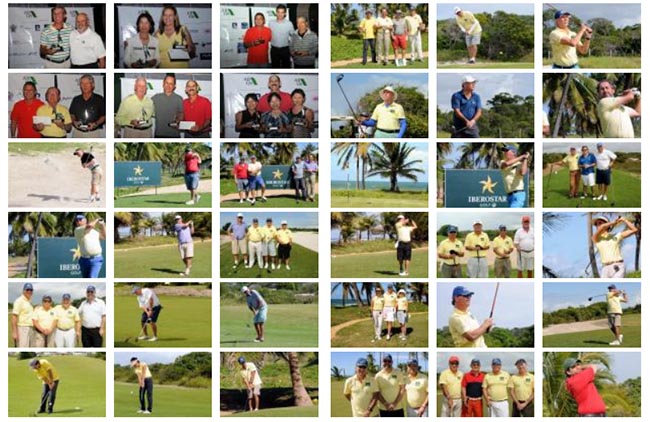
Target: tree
360, 152
300, 396
392, 160
412, 99
348, 289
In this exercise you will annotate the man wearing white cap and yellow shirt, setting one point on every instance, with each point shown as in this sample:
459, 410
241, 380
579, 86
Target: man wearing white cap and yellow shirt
464, 328
471, 28
404, 228
388, 117
609, 245
417, 391
22, 328
68, 323
477, 243
184, 233
495, 390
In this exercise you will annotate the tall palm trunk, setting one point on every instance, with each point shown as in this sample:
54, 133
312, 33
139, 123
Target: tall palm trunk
560, 109
300, 395
32, 252
357, 172
592, 254
637, 251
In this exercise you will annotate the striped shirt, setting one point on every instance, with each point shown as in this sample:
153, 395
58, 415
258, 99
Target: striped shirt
305, 42
52, 37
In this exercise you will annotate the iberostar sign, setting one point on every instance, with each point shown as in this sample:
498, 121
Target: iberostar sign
58, 257
137, 173
477, 189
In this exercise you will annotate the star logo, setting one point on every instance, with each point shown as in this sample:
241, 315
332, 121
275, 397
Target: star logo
138, 170
76, 253
488, 185
277, 175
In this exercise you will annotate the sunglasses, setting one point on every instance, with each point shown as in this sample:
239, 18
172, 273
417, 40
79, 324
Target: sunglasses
362, 367
453, 363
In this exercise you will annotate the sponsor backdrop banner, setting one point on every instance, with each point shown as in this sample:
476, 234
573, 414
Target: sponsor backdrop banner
137, 173
58, 257
236, 86
477, 189
277, 177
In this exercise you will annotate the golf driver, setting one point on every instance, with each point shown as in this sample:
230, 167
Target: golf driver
339, 78
611, 189
142, 329
592, 297
494, 302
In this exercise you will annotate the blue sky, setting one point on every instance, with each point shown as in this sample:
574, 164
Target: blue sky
300, 146
456, 153
446, 10
294, 219
514, 307
612, 146
348, 360
124, 358
77, 290
566, 250
421, 152
337, 294
488, 85
565, 294
621, 14
491, 220
508, 360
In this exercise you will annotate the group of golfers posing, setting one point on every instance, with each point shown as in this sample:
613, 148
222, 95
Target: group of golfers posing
389, 307
266, 245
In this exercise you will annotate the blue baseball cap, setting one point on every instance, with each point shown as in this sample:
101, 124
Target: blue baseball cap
79, 217
28, 286
561, 13
611, 286
33, 363
90, 288
599, 144
460, 291
496, 361
241, 359
388, 357
452, 229
413, 362
135, 289
475, 360
362, 362
509, 148
502, 227
66, 296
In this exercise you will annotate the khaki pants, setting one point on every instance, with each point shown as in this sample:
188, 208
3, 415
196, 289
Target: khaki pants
25, 335
41, 340
383, 45
94, 134
51, 65
502, 267
454, 411
129, 132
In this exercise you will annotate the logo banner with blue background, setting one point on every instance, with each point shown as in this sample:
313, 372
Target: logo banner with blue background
58, 257
137, 173
277, 177
477, 189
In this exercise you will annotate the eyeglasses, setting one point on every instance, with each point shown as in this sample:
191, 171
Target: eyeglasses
47, 301
90, 291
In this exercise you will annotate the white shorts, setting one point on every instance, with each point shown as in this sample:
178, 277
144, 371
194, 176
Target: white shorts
498, 409
186, 250
589, 179
401, 317
526, 261
614, 270
389, 314
413, 413
269, 248
65, 338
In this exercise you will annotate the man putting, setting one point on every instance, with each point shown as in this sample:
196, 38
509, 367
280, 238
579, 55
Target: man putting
417, 391
467, 108
615, 312
404, 229
604, 162
614, 115
587, 163
391, 383
388, 117
525, 244
253, 382
571, 162
22, 327
237, 233
88, 236
580, 384
609, 245
464, 328
477, 243
522, 391
145, 384
449, 252
450, 384
566, 44
46, 372
150, 304
513, 170
495, 390
285, 242
471, 28
472, 391
192, 174
258, 307
184, 232
503, 247
88, 162
68, 323
361, 391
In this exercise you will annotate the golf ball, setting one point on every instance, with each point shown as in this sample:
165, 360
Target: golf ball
131, 392
77, 408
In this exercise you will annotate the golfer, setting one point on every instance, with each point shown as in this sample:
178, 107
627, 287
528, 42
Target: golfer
92, 312
404, 229
255, 180
604, 163
571, 161
503, 247
68, 323
285, 241
513, 170
450, 384
145, 384
44, 321
384, 29
566, 44
298, 174
580, 384
471, 28
361, 391
88, 162
472, 391
477, 243
525, 244
390, 305
377, 307
614, 115
269, 245
47, 373
88, 236
415, 27
184, 232
388, 117
609, 245
391, 383
400, 38
586, 163
255, 235
522, 391
240, 173
192, 174
467, 108
259, 308
311, 171
367, 28
449, 252
237, 233
253, 382
463, 326
22, 327
495, 390
417, 391
615, 312
402, 312
150, 304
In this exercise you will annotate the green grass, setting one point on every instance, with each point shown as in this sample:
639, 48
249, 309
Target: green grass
631, 330
625, 191
166, 179
378, 265
379, 199
340, 405
168, 400
283, 201
290, 412
605, 62
361, 334
286, 326
82, 385
162, 262
35, 148
303, 263
144, 242
480, 64
163, 200
344, 48
185, 321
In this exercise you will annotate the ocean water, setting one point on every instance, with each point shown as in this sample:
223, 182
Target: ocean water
339, 303
376, 185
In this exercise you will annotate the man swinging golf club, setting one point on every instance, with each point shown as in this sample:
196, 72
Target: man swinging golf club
258, 307
46, 372
614, 312
609, 245
89, 162
145, 384
150, 304
253, 382
463, 326
580, 384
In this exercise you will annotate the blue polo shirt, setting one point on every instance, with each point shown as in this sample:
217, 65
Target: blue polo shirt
238, 230
467, 106
589, 159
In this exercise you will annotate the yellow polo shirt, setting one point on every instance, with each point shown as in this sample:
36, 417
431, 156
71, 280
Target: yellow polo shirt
390, 299
609, 247
523, 385
143, 370
447, 246
614, 303
417, 390
413, 24
512, 177
269, 233
461, 322
284, 236
255, 234
467, 21
614, 118
388, 116
66, 318
249, 368
452, 381
43, 371
53, 130
474, 239
368, 28
378, 303
23, 310
361, 393
133, 108
165, 44
402, 304
563, 55
389, 384
497, 385
502, 244
572, 162
44, 317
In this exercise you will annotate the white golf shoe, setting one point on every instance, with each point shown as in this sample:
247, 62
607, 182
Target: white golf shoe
146, 412
140, 411
604, 197
143, 338
241, 201
198, 198
287, 267
190, 202
266, 265
272, 266
235, 264
153, 339
620, 338
615, 343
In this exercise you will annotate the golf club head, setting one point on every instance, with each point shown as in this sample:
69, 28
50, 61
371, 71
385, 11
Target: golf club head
339, 77
589, 299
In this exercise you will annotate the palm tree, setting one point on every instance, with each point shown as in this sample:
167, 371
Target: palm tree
359, 151
392, 161
572, 101
367, 222
442, 150
283, 152
592, 252
419, 292
341, 17
348, 289
300, 395
32, 225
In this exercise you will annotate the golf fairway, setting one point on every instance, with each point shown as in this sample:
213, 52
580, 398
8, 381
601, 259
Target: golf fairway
162, 261
378, 264
289, 412
303, 264
168, 400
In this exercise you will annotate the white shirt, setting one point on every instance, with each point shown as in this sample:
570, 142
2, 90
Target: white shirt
91, 313
135, 51
525, 240
86, 47
254, 168
146, 296
89, 244
604, 159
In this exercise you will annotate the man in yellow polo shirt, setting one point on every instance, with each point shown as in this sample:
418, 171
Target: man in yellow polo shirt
565, 44
513, 170
285, 240
450, 383
251, 377
522, 391
68, 323
388, 117
463, 326
503, 247
614, 312
471, 28
402, 312
367, 30
495, 390
477, 243
361, 391
44, 321
417, 391
571, 162
415, 26
22, 328
450, 251
609, 245
614, 115
255, 235
135, 112
391, 385
61, 122
46, 372
269, 247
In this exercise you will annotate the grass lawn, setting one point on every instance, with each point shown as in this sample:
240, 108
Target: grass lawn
162, 261
185, 321
631, 330
480, 64
287, 412
288, 325
303, 263
379, 199
378, 265
625, 191
35, 148
282, 201
168, 400
361, 334
344, 48
81, 393
163, 200
605, 62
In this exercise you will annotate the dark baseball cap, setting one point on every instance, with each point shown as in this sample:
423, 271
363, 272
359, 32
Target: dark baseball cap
475, 360
561, 13
255, 220
570, 363
496, 361
452, 229
461, 291
509, 148
502, 227
66, 296
362, 362
34, 363
90, 289
241, 359
520, 361
79, 217
388, 357
28, 286
47, 298
611, 286
413, 362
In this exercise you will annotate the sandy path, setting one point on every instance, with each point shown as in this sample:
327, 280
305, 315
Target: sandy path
307, 239
334, 330
576, 327
269, 194
391, 60
204, 186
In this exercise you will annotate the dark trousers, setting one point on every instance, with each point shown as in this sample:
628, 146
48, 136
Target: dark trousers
526, 412
304, 66
85, 66
301, 190
280, 58
52, 397
90, 337
148, 391
369, 43
397, 413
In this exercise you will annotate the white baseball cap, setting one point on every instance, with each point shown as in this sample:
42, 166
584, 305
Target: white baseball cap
469, 79
389, 89
244, 289
456, 10
177, 217
401, 291
400, 217
477, 222
283, 222
240, 214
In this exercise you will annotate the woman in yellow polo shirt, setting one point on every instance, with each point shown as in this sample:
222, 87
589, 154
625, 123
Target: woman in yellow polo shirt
172, 35
377, 306
402, 312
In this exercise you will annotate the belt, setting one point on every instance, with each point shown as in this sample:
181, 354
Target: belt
503, 258
499, 401
521, 250
91, 256
57, 61
598, 415
91, 328
474, 398
389, 131
94, 167
557, 66
478, 257
613, 262
515, 191
450, 265
139, 127
62, 329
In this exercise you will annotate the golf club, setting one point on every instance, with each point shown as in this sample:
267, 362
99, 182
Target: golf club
455, 131
494, 301
43, 403
339, 78
611, 189
548, 182
592, 297
142, 329
577, 27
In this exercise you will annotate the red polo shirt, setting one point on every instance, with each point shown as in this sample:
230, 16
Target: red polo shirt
473, 384
582, 388
198, 111
191, 163
241, 171
23, 114
258, 54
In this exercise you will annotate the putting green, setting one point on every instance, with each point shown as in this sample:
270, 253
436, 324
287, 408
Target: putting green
168, 400
163, 200
81, 392
303, 264
162, 261
361, 334
631, 329
286, 326
378, 265
185, 321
